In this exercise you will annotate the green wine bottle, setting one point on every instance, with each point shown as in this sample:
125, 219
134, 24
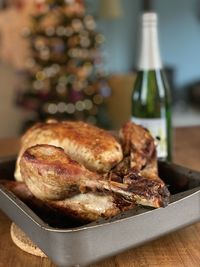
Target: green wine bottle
151, 104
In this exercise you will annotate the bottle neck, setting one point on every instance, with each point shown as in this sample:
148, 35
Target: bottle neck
149, 54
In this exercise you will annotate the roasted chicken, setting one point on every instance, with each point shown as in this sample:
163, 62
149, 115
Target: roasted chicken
84, 170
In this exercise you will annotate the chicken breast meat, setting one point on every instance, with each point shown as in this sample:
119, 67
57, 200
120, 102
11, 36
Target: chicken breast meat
93, 147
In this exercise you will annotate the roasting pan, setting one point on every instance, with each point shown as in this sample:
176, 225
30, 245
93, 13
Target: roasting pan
84, 244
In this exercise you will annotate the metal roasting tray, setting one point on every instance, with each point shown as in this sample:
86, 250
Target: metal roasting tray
83, 245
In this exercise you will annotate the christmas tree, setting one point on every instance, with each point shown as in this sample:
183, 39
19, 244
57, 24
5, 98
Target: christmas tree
64, 74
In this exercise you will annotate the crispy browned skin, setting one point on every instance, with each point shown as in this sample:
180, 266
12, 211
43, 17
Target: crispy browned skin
139, 147
82, 208
139, 144
135, 186
51, 175
93, 147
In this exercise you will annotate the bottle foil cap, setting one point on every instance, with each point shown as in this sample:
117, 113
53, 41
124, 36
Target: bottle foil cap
149, 18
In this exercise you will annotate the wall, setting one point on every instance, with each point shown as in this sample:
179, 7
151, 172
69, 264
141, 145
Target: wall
10, 117
120, 36
179, 28
180, 37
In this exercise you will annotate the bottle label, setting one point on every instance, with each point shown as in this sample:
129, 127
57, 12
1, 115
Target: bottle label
158, 129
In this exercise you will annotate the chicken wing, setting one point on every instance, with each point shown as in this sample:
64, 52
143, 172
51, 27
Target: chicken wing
139, 147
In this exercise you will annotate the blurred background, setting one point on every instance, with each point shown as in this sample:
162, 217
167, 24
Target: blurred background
76, 59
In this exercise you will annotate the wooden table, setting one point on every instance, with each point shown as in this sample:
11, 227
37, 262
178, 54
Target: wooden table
181, 248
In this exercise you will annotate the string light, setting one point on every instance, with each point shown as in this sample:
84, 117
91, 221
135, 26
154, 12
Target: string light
38, 85
80, 106
61, 89
70, 108
88, 104
45, 53
40, 75
61, 107
89, 90
52, 108
84, 41
77, 25
89, 22
51, 71
39, 43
